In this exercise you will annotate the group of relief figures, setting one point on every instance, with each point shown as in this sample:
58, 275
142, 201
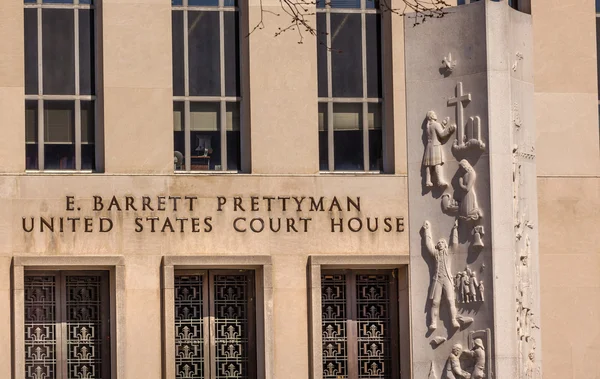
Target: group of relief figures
464, 287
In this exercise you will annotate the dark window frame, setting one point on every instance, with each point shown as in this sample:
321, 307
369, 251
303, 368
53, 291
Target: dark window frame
231, 107
371, 110
37, 102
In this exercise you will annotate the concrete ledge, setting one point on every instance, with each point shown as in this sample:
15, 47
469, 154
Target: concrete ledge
213, 261
72, 262
355, 261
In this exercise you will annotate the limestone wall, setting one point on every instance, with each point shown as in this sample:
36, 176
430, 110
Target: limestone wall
566, 105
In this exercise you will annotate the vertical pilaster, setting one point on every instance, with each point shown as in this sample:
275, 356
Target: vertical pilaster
283, 92
12, 102
137, 86
473, 300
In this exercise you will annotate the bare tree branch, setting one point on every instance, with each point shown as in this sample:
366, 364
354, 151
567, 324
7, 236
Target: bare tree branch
300, 13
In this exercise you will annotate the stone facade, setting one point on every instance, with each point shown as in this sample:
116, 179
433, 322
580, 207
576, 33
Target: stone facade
556, 91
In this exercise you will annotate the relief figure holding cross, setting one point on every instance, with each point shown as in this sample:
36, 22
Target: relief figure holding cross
433, 158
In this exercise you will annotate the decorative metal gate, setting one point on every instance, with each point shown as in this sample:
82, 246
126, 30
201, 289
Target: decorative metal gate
359, 328
214, 324
66, 325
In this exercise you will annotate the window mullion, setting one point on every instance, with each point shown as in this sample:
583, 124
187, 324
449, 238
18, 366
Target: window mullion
40, 91
223, 107
187, 135
365, 105
186, 88
40, 131
330, 136
352, 326
77, 89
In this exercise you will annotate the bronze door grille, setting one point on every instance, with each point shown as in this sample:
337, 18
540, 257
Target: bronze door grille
359, 324
214, 324
66, 325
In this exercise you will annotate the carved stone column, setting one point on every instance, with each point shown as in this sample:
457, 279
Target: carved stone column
472, 195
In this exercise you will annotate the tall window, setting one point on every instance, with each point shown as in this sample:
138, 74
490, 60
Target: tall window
59, 85
206, 85
359, 324
66, 325
214, 324
349, 82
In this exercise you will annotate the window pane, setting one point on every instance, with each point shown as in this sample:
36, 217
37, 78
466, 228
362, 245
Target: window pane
86, 52
31, 134
88, 150
323, 142
31, 120
178, 135
373, 34
204, 116
345, 3
597, 6
232, 57
58, 51
322, 54
375, 138
87, 122
31, 52
233, 136
59, 146
178, 58
346, 60
204, 52
57, 1
205, 136
347, 139
214, 3
373, 4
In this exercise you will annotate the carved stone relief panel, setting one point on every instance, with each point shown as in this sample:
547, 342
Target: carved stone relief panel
450, 204
525, 246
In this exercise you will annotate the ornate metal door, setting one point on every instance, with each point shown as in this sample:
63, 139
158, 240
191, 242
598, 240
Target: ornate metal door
214, 324
359, 329
67, 325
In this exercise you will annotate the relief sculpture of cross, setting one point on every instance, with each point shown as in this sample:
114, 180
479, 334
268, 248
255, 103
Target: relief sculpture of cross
460, 101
